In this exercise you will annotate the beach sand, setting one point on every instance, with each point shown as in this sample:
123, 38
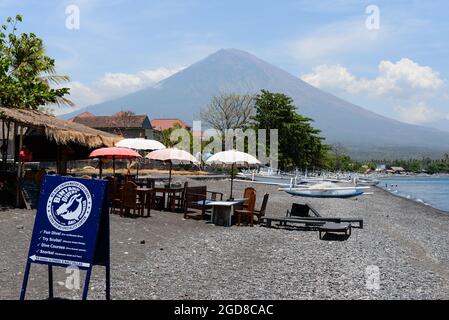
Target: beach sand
191, 259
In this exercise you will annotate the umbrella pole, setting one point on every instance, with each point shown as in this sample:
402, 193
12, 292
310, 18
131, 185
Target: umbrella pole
113, 165
232, 181
169, 177
100, 167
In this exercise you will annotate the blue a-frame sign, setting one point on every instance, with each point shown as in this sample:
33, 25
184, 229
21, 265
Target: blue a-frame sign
71, 228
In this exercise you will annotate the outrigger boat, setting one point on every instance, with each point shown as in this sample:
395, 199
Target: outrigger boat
366, 182
270, 176
326, 190
275, 177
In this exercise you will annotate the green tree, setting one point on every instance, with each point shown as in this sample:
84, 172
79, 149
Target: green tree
26, 75
299, 143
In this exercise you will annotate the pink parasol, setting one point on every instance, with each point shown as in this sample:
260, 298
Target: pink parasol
114, 153
172, 156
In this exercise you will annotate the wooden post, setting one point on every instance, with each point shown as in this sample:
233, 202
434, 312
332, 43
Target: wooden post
20, 148
20, 163
100, 167
232, 181
14, 145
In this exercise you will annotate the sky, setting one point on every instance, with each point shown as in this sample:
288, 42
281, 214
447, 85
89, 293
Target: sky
388, 56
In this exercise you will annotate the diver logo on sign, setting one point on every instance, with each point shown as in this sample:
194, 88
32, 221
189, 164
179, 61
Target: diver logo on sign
69, 206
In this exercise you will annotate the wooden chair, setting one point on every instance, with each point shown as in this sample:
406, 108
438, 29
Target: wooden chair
115, 200
248, 212
130, 200
157, 201
179, 200
246, 194
150, 183
260, 213
193, 196
197, 194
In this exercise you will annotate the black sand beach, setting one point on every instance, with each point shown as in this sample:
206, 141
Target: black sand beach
167, 257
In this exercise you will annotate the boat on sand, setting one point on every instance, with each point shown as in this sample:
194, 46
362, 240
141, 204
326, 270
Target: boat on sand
326, 190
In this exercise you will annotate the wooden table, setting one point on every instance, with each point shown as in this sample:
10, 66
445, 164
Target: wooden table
222, 211
168, 191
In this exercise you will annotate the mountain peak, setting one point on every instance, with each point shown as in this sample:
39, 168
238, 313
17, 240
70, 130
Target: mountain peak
236, 55
233, 52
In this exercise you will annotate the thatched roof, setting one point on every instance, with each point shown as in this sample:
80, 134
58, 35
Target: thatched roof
61, 131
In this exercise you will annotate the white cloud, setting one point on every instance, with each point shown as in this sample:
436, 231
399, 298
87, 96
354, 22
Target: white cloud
332, 77
113, 85
117, 84
417, 114
83, 95
405, 88
402, 77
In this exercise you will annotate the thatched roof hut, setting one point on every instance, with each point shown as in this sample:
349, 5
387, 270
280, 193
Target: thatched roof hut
60, 131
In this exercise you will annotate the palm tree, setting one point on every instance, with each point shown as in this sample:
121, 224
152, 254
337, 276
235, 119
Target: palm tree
30, 62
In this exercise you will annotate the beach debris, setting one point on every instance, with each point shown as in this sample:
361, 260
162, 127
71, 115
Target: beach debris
142, 242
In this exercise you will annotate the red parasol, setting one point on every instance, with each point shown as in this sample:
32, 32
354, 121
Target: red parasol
114, 153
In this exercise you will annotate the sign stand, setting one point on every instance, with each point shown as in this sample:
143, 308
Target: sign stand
71, 229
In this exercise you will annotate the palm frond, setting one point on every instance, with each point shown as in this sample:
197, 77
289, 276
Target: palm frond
55, 79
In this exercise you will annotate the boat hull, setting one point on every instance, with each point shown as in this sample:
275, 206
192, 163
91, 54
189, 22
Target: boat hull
368, 183
326, 193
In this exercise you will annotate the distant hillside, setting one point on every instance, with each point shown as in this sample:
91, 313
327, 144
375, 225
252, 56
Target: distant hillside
364, 133
440, 124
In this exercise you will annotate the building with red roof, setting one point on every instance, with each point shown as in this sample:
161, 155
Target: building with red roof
165, 124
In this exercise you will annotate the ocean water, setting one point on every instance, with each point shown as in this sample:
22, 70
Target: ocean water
430, 190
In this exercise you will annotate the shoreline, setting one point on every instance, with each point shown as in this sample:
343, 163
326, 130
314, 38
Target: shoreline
415, 201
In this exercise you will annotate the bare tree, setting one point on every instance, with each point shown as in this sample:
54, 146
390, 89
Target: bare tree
229, 111
124, 121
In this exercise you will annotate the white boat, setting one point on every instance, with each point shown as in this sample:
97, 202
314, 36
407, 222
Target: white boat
269, 176
367, 182
326, 190
319, 180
